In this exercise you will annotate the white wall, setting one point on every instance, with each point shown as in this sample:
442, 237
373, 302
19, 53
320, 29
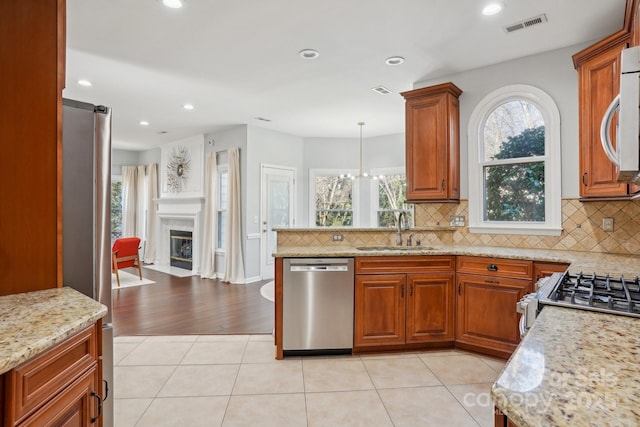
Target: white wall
552, 72
121, 158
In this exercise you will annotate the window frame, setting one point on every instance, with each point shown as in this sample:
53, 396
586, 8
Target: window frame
552, 226
221, 169
355, 196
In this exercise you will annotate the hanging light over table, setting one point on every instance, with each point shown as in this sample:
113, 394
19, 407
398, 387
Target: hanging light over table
361, 173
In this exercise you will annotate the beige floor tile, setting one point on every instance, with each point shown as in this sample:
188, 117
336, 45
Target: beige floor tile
272, 410
200, 380
476, 399
425, 406
121, 350
495, 364
262, 337
202, 353
335, 375
127, 412
222, 338
156, 353
396, 373
172, 338
140, 381
460, 369
260, 352
346, 408
264, 378
402, 355
185, 411
129, 339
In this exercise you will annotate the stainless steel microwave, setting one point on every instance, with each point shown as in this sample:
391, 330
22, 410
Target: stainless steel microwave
626, 154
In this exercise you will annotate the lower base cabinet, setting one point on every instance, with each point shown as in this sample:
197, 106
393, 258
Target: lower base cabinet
395, 308
60, 387
486, 317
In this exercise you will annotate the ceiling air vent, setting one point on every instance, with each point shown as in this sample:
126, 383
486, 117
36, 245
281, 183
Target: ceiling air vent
525, 23
381, 90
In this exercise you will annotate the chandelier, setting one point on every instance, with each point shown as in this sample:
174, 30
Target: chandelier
361, 173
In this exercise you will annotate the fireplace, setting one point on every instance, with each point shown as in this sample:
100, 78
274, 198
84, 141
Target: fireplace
181, 249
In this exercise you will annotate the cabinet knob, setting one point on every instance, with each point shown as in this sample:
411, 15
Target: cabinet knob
492, 267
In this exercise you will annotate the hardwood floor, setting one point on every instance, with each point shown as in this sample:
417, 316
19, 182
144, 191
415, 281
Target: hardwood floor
190, 306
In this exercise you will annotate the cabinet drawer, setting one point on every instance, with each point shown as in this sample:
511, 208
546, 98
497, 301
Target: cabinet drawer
404, 264
42, 377
499, 267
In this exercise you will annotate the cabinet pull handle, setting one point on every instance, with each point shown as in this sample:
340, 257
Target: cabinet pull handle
97, 396
106, 390
402, 291
459, 288
492, 267
584, 179
411, 290
442, 184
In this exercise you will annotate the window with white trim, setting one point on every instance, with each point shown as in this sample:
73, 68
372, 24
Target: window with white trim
514, 163
388, 198
333, 199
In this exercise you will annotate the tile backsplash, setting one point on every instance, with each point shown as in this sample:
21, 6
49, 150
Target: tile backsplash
581, 223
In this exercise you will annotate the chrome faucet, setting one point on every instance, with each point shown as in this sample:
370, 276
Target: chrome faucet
401, 218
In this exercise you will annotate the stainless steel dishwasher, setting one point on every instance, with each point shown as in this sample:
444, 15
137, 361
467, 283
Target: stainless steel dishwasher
317, 305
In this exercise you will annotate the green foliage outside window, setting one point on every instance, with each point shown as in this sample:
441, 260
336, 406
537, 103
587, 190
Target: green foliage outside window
334, 201
392, 197
116, 210
515, 192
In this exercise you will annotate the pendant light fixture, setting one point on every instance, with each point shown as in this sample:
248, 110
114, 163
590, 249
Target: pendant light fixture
361, 173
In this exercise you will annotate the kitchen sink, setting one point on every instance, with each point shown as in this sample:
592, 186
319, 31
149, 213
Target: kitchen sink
394, 248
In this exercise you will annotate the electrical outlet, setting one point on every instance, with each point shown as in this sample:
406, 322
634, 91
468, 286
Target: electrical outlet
338, 237
607, 224
456, 221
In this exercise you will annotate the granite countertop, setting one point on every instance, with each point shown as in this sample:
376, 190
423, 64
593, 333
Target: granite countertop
587, 262
32, 322
574, 368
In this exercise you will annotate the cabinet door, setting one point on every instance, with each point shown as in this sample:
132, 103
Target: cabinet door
430, 315
598, 84
379, 309
432, 143
75, 406
486, 312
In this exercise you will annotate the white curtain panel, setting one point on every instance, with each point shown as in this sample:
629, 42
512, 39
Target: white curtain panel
210, 238
141, 205
234, 265
152, 210
129, 186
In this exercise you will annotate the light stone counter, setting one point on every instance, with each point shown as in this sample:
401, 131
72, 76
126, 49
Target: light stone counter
574, 368
587, 262
32, 322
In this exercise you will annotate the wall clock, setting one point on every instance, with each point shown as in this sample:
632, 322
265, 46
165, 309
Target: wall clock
178, 169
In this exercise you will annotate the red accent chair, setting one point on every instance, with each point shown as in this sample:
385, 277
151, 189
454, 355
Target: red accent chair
124, 253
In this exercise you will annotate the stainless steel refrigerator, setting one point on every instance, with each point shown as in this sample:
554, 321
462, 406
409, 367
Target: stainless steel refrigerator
86, 217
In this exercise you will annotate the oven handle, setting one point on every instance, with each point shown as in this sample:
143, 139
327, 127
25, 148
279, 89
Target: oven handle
522, 326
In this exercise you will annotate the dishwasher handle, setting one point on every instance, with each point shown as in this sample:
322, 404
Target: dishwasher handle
319, 268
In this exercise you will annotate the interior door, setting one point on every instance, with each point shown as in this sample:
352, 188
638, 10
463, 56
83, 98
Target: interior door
276, 210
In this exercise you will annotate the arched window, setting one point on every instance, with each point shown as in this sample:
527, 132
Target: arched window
514, 163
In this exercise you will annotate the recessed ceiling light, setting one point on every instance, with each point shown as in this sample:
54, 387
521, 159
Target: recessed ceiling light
84, 82
173, 4
188, 106
394, 60
144, 123
309, 53
492, 9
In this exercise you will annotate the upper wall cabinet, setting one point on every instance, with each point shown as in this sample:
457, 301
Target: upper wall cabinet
432, 143
598, 69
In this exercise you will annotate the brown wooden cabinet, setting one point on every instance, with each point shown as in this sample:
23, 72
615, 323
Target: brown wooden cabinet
32, 55
544, 269
60, 387
401, 301
432, 143
487, 292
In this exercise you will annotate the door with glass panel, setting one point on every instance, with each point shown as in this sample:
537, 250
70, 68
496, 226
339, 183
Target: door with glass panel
277, 210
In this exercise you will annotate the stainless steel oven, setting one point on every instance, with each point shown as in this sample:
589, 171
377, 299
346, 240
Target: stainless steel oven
601, 293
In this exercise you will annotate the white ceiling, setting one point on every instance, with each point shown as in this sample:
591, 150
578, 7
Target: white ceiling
236, 60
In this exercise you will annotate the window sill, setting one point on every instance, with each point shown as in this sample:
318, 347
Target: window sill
516, 229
